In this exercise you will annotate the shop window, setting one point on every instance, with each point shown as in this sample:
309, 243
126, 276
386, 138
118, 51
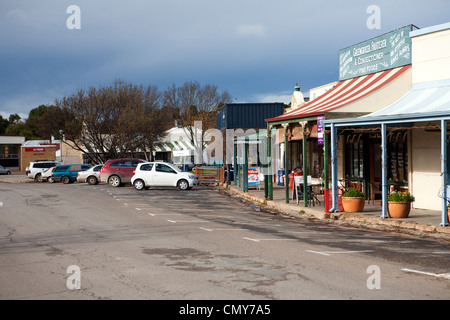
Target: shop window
9, 152
398, 157
354, 156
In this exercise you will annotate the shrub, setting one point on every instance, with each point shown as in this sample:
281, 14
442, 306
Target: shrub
401, 197
353, 192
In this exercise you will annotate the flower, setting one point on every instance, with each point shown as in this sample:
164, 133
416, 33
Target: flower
401, 197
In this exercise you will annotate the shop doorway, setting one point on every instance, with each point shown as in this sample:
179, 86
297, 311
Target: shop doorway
375, 170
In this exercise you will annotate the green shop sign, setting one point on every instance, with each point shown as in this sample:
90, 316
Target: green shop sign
388, 51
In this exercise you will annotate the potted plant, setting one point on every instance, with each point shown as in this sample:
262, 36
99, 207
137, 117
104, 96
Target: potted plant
448, 211
353, 200
399, 204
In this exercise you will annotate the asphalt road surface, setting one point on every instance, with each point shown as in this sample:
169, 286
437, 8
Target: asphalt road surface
79, 241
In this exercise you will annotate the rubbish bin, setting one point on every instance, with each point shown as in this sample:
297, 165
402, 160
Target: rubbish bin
328, 199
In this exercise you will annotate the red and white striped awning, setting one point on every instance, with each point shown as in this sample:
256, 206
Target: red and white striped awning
345, 92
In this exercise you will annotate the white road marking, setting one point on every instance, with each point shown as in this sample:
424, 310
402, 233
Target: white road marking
163, 214
322, 253
186, 221
259, 240
258, 223
313, 232
438, 275
338, 252
222, 229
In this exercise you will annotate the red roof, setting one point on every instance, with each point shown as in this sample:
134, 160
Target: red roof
343, 93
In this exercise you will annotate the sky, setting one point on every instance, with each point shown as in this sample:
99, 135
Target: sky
257, 50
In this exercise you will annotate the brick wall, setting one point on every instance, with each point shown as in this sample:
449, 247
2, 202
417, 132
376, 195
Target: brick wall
29, 154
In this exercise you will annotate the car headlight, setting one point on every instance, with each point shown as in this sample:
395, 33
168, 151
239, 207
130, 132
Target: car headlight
191, 176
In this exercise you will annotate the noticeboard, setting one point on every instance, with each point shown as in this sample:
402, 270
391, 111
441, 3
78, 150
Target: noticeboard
388, 51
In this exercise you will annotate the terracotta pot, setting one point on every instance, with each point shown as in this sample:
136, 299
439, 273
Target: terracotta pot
399, 210
353, 204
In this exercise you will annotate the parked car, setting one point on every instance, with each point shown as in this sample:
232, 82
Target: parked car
3, 170
162, 175
35, 169
91, 175
47, 175
68, 173
119, 171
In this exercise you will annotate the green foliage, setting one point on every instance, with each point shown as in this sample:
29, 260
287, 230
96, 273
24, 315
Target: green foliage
28, 128
354, 193
401, 197
3, 125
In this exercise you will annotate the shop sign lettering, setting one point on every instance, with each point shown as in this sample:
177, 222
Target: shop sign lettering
385, 52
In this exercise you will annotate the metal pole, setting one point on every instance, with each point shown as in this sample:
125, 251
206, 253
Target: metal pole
444, 174
286, 162
267, 166
235, 165
384, 213
334, 182
305, 165
270, 165
245, 168
326, 159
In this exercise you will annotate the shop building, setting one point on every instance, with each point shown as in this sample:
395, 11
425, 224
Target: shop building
413, 130
10, 155
236, 121
372, 75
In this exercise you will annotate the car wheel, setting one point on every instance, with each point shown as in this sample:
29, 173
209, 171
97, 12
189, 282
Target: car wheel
65, 180
139, 184
8, 173
183, 185
92, 180
114, 181
38, 177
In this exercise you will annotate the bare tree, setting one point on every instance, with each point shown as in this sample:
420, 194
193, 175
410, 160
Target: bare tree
197, 108
112, 122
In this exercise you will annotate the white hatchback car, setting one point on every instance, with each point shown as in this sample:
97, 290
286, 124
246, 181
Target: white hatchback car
157, 174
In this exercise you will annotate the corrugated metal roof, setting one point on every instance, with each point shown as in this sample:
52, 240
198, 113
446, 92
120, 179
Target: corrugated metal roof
247, 115
422, 98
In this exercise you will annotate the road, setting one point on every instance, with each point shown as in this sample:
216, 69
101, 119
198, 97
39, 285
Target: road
79, 241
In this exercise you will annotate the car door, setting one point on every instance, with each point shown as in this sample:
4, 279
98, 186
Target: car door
164, 175
73, 172
145, 172
124, 169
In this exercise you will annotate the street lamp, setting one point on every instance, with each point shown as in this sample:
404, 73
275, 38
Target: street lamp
61, 133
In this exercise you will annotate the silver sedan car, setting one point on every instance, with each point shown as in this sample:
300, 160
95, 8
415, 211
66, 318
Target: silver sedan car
3, 170
91, 175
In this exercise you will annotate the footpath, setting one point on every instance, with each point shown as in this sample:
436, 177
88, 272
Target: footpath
423, 223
